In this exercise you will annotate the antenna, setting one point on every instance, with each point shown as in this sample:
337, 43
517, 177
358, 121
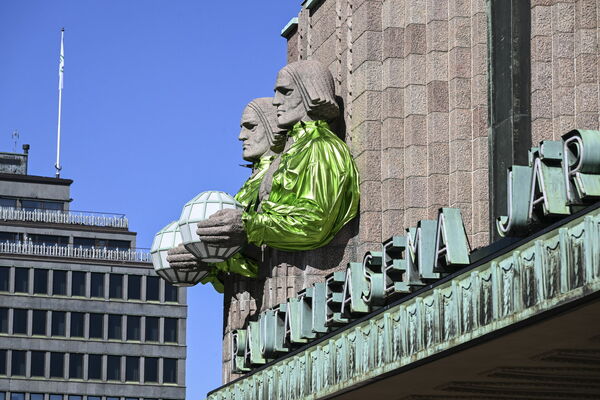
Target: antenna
15, 137
61, 69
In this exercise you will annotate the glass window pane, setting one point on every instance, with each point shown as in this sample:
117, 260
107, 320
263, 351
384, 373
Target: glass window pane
77, 324
58, 323
170, 370
113, 368
72, 397
95, 366
22, 280
171, 293
17, 396
113, 398
18, 362
56, 397
150, 369
96, 326
36, 396
3, 320
152, 329
59, 283
118, 244
76, 366
78, 284
132, 369
133, 327
20, 321
134, 289
115, 326
39, 322
4, 276
6, 202
38, 363
48, 240
171, 330
94, 398
86, 243
152, 288
40, 281
116, 286
97, 281
3, 362
57, 365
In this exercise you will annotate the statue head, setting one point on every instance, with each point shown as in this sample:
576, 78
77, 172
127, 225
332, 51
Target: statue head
259, 132
304, 91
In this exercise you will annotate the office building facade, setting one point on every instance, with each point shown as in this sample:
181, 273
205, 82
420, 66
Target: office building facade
83, 316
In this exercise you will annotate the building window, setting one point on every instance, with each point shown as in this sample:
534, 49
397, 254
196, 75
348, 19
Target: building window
42, 205
3, 362
76, 366
150, 369
78, 284
113, 398
4, 279
38, 364
3, 320
133, 327
74, 397
152, 288
171, 330
17, 396
152, 329
22, 280
134, 287
18, 362
20, 321
77, 324
58, 323
48, 240
57, 365
59, 283
10, 237
39, 322
115, 289
132, 369
56, 397
40, 281
94, 398
169, 370
113, 368
171, 293
97, 283
96, 326
115, 327
95, 366
36, 396
6, 202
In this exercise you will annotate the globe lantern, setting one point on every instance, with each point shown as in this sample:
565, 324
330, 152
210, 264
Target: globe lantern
198, 209
167, 238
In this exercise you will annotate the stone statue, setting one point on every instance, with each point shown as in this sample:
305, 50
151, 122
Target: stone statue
314, 188
261, 141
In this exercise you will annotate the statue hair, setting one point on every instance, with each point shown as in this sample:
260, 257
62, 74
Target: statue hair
317, 87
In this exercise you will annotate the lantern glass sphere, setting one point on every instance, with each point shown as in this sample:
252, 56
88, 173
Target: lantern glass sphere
198, 209
167, 238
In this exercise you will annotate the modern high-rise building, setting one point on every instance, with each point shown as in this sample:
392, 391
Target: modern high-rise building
83, 316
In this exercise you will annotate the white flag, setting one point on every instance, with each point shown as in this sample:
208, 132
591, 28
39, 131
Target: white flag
61, 64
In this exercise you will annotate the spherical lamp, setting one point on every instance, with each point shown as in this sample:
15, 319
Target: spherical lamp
198, 209
167, 238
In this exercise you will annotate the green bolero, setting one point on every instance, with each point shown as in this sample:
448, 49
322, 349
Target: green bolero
248, 197
315, 192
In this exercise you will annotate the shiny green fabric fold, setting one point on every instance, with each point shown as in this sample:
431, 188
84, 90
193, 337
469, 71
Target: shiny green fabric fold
315, 192
248, 197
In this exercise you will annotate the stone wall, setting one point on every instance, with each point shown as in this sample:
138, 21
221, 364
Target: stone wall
564, 66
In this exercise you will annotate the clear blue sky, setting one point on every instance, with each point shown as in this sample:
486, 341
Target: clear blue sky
152, 98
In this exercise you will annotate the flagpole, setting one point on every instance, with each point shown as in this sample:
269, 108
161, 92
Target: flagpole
60, 88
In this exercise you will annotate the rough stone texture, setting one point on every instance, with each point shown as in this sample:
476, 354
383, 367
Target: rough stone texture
564, 66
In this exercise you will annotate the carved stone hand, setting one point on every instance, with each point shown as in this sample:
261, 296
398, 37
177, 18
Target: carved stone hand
223, 229
181, 259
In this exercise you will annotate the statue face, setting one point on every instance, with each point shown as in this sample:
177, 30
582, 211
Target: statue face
288, 100
253, 135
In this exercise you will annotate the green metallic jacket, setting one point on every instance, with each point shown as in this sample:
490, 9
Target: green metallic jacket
315, 192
